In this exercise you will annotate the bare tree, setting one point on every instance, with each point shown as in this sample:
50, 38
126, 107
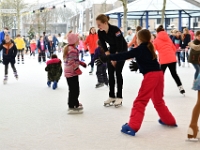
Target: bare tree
163, 11
124, 3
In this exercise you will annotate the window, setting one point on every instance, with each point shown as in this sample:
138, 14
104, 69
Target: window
167, 21
158, 20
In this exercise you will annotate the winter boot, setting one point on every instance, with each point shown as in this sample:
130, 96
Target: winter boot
49, 83
182, 91
98, 85
55, 85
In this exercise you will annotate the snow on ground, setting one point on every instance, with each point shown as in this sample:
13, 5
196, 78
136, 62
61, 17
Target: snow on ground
34, 117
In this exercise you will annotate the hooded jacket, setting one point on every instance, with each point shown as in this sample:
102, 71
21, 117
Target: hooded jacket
54, 69
91, 42
165, 47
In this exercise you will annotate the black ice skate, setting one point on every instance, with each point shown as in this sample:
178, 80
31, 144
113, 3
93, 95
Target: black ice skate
98, 85
182, 91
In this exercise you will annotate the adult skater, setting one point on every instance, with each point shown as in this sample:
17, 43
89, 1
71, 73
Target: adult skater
167, 55
9, 53
19, 41
152, 85
113, 36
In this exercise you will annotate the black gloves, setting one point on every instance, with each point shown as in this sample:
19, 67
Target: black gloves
98, 62
133, 66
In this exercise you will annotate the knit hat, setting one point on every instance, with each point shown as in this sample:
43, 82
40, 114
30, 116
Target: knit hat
72, 38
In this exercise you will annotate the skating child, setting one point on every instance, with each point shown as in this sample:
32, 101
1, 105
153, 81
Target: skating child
72, 71
101, 67
20, 48
152, 85
81, 48
51, 46
33, 46
9, 53
54, 70
41, 45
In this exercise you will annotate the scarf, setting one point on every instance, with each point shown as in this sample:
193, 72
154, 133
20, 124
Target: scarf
7, 47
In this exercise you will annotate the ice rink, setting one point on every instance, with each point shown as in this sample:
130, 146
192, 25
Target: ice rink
34, 117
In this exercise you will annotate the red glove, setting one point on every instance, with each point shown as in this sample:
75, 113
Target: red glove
83, 64
78, 71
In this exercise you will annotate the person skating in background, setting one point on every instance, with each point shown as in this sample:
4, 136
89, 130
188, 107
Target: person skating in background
20, 48
186, 38
60, 40
152, 86
33, 47
72, 71
91, 44
133, 42
81, 47
27, 42
51, 46
41, 45
129, 36
178, 43
167, 55
9, 53
2, 36
101, 73
193, 131
54, 69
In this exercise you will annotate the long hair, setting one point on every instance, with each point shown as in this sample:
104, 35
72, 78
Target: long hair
184, 34
66, 50
91, 29
145, 36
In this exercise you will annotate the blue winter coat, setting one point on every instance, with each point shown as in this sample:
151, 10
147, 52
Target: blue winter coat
2, 36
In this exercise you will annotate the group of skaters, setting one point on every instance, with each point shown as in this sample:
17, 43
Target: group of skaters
142, 49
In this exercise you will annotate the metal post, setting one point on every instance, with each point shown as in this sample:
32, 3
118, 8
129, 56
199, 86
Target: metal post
119, 20
141, 22
189, 23
180, 20
165, 24
147, 20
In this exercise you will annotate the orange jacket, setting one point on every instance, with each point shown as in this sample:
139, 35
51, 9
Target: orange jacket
91, 42
166, 49
133, 42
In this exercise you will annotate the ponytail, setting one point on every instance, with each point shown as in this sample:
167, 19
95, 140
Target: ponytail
66, 50
151, 48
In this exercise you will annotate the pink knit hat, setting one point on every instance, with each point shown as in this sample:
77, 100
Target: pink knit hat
72, 38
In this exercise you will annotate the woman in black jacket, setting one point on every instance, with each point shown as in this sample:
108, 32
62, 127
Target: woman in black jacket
9, 53
178, 44
112, 35
41, 49
186, 38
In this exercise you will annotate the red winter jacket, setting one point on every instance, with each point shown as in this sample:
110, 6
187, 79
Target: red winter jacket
166, 49
91, 42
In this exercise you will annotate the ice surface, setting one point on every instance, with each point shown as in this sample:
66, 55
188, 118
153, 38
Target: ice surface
34, 117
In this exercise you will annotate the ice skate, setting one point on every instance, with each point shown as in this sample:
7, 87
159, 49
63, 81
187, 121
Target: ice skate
55, 85
16, 75
49, 83
162, 123
98, 85
91, 71
118, 102
109, 102
191, 137
77, 110
127, 130
5, 80
182, 91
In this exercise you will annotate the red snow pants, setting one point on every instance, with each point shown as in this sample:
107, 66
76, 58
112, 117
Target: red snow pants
152, 88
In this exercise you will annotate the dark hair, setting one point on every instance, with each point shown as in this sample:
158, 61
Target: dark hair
154, 36
18, 35
41, 37
91, 29
103, 18
160, 28
144, 36
59, 34
54, 56
138, 28
197, 33
6, 28
101, 48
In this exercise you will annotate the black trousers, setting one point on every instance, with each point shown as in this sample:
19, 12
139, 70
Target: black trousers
41, 56
102, 74
6, 68
172, 68
74, 91
20, 52
178, 54
92, 64
112, 71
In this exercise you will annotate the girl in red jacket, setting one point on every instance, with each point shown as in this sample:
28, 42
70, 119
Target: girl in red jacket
91, 43
167, 55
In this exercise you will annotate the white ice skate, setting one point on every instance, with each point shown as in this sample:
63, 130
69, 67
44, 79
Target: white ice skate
78, 110
16, 75
118, 102
5, 79
109, 102
190, 133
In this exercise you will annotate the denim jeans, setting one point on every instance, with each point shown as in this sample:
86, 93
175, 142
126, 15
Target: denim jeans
197, 70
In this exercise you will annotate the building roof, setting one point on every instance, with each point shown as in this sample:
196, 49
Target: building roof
138, 9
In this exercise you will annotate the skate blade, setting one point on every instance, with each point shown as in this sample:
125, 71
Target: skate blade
118, 105
75, 112
108, 105
192, 140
